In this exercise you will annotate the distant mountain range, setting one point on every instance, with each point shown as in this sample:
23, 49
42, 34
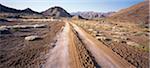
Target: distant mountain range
53, 11
92, 15
137, 13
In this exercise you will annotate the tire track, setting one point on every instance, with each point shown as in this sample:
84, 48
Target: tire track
81, 57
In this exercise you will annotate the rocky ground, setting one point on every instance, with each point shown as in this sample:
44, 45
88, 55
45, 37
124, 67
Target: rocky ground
49, 43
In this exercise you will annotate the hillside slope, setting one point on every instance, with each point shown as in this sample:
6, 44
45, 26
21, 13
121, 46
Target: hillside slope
137, 14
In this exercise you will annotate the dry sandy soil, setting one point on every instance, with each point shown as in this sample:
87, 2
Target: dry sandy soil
66, 45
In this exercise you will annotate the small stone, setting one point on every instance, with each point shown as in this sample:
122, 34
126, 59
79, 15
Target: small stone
132, 43
99, 34
95, 32
90, 29
108, 39
116, 36
123, 42
116, 40
123, 37
100, 38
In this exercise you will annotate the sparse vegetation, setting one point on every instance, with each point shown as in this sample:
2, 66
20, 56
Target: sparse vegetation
116, 37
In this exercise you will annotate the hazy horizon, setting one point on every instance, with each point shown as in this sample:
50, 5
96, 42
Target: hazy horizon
71, 6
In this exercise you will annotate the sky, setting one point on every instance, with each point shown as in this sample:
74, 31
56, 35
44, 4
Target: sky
72, 5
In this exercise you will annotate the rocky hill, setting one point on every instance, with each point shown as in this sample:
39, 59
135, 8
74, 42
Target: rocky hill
28, 10
56, 12
4, 9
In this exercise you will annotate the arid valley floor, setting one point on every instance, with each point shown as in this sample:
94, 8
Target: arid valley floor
37, 41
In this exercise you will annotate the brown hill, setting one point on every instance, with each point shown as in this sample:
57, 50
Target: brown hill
56, 12
138, 13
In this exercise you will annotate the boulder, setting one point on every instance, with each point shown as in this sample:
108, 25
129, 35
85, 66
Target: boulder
4, 30
32, 38
39, 25
3, 27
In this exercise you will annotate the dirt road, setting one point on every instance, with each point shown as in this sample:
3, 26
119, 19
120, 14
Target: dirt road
77, 49
59, 56
104, 56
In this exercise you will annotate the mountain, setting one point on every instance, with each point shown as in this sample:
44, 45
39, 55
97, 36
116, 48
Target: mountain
56, 12
28, 10
4, 9
77, 17
92, 15
138, 13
